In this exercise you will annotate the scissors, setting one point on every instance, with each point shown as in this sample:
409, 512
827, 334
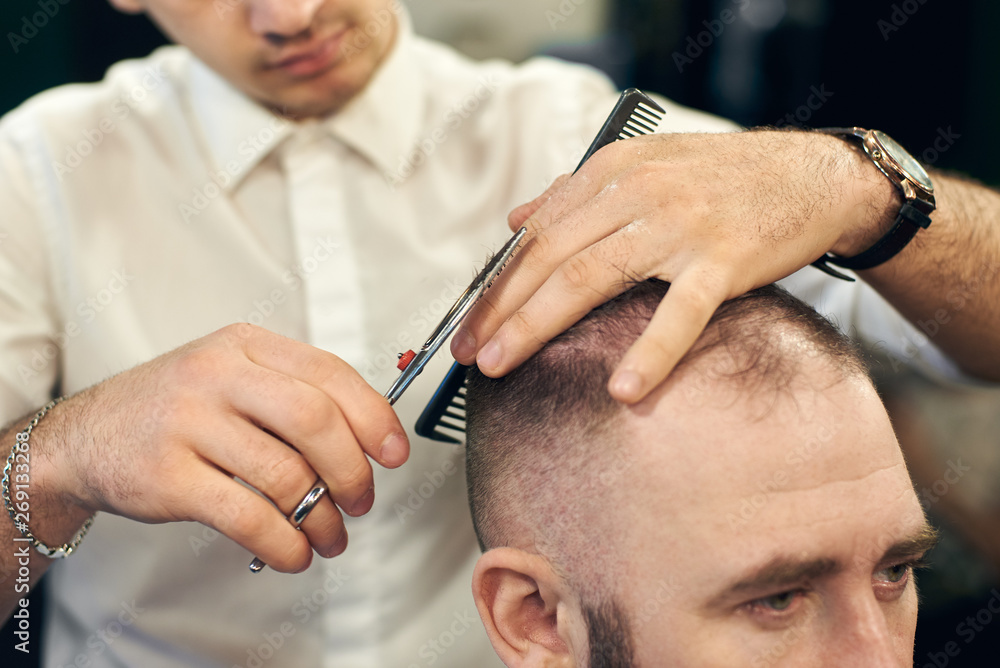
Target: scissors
412, 363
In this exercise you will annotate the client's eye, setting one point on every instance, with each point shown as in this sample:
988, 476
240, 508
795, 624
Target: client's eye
776, 603
778, 611
890, 582
895, 573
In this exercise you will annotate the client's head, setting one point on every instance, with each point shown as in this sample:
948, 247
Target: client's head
754, 511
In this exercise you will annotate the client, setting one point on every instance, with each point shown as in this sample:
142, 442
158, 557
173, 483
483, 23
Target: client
754, 511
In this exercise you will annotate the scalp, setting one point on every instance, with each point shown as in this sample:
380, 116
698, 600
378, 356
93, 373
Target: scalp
546, 459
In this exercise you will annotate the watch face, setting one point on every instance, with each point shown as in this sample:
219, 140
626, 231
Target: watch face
910, 167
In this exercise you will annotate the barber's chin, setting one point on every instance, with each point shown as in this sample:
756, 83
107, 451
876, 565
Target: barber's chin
313, 99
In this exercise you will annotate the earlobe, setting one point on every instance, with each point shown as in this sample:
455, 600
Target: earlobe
530, 615
128, 6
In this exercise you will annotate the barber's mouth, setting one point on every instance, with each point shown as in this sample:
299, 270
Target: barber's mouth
313, 59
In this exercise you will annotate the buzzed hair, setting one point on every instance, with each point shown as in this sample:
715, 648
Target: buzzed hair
542, 442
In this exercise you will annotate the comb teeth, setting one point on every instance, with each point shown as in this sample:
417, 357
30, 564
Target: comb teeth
444, 417
453, 417
641, 121
642, 107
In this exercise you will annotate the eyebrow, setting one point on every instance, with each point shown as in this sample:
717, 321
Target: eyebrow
920, 543
785, 572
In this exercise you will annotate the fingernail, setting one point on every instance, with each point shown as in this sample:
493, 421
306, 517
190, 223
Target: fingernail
463, 344
625, 385
393, 450
489, 356
338, 547
364, 504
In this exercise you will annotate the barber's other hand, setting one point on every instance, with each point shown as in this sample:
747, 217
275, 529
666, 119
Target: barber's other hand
163, 442
713, 214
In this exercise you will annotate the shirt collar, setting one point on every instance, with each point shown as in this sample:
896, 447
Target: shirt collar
381, 123
237, 131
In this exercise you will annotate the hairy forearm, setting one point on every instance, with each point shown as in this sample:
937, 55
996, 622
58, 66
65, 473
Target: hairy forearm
947, 280
52, 518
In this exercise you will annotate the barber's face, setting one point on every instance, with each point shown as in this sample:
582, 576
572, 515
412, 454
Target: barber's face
781, 541
302, 57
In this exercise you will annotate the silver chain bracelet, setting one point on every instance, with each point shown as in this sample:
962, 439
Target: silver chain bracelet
21, 448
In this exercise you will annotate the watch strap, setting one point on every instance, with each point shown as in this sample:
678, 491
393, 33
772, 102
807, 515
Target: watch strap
909, 220
911, 217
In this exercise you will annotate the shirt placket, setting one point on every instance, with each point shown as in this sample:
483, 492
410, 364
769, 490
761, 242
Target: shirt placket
326, 260
327, 264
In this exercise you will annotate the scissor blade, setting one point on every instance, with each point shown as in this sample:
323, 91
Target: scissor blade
455, 316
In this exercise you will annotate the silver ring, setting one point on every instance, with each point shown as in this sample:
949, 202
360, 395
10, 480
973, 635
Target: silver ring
306, 505
298, 515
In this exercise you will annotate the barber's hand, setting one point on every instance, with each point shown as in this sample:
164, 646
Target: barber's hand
716, 215
163, 442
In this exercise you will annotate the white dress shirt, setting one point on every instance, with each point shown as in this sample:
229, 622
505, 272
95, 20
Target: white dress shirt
154, 207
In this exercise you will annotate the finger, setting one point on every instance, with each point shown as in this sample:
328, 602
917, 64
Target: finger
676, 324
277, 471
546, 249
518, 216
370, 417
582, 282
218, 501
312, 422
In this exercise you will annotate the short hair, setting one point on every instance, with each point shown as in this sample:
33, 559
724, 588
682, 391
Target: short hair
542, 440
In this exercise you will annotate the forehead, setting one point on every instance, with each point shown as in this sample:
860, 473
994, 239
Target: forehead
720, 484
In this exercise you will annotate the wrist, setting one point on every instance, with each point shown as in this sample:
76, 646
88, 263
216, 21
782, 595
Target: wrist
872, 202
37, 503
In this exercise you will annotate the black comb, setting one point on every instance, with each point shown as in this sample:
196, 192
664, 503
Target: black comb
635, 114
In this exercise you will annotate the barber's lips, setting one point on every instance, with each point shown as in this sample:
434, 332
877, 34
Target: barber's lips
312, 60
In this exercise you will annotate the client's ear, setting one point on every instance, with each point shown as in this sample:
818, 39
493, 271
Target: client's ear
530, 615
128, 6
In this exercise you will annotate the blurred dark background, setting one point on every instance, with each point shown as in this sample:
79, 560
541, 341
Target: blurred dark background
934, 71
925, 71
937, 69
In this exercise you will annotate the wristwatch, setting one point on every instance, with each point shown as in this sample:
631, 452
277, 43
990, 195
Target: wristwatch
918, 199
